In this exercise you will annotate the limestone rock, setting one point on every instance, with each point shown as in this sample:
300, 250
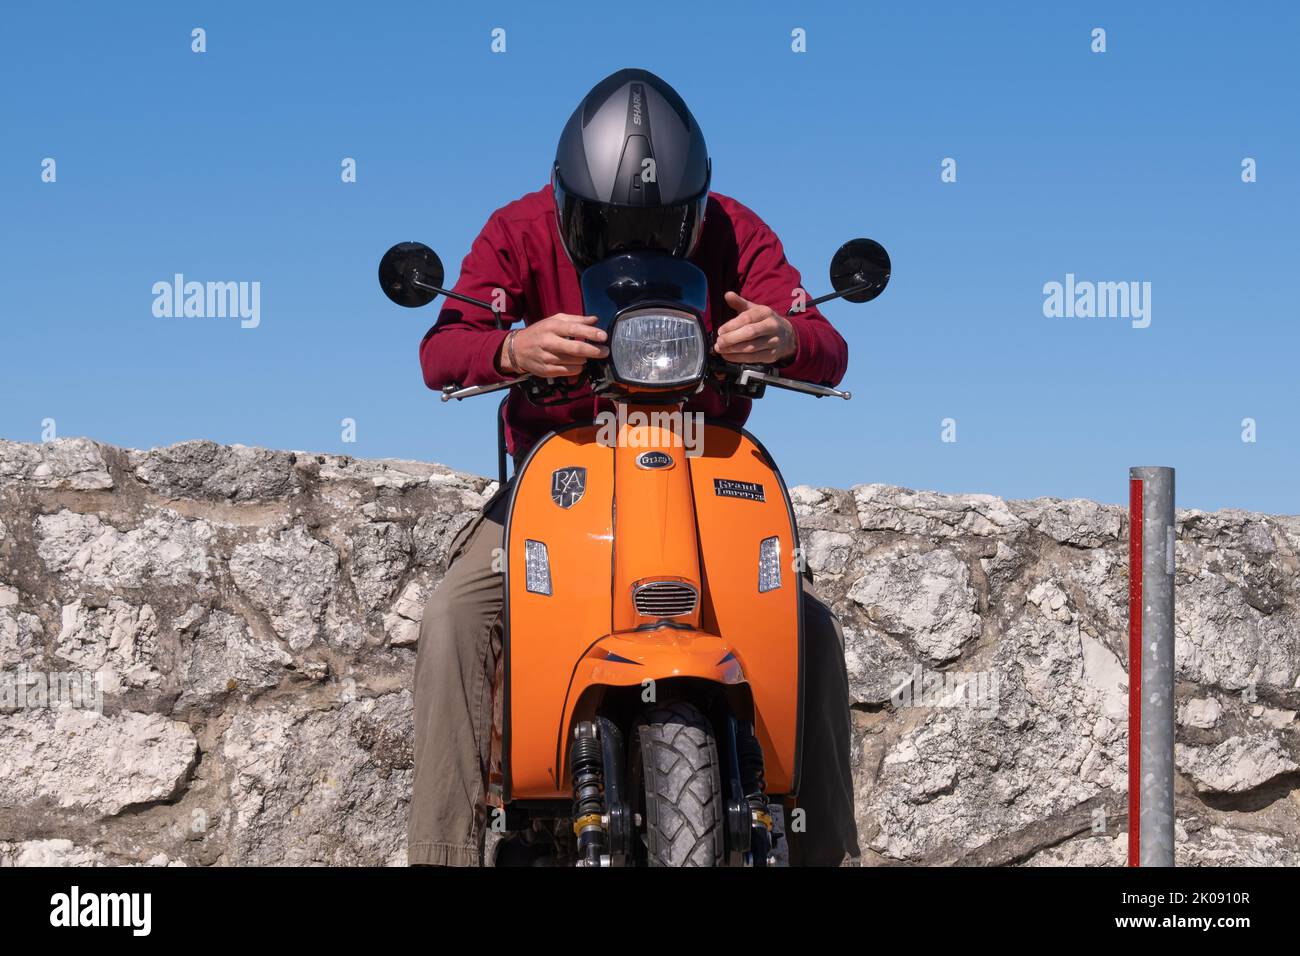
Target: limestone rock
252, 617
402, 623
21, 632
1235, 765
888, 508
77, 758
1078, 522
226, 658
290, 577
48, 853
381, 553
1202, 712
924, 598
165, 549
288, 771
69, 464
118, 642
204, 469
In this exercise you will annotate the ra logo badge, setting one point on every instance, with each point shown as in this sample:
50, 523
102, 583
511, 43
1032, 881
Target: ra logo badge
568, 486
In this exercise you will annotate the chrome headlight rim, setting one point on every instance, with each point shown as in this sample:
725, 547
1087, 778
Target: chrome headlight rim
673, 311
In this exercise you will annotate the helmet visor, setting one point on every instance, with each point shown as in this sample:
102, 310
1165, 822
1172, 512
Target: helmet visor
592, 230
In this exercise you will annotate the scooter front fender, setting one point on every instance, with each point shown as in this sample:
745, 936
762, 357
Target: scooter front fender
646, 659
621, 660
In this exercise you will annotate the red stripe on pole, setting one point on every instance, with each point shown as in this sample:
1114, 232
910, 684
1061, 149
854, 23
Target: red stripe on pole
1134, 668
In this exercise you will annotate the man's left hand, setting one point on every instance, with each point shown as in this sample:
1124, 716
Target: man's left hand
757, 335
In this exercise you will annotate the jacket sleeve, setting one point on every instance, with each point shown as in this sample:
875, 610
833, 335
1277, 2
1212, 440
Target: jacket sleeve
768, 279
463, 344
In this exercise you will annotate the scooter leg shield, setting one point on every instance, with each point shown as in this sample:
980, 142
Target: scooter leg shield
559, 551
752, 595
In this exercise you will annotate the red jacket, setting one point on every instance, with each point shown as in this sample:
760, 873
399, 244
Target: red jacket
519, 251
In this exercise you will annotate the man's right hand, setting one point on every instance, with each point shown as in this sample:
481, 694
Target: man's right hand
556, 347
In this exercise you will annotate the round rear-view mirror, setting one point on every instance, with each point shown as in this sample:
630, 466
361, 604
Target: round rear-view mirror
402, 265
863, 265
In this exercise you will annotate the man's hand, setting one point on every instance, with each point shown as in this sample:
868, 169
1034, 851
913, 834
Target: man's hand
756, 336
557, 347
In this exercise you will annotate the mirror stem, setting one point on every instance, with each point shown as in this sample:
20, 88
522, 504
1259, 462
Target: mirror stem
830, 295
419, 283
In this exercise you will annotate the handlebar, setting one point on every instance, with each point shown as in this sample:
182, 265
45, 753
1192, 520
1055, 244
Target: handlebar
749, 379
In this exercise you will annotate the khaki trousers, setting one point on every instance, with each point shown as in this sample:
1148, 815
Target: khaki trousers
460, 641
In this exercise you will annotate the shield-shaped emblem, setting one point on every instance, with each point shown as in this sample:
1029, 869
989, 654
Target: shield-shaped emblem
568, 485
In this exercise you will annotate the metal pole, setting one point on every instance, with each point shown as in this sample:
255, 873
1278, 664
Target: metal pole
1151, 667
501, 441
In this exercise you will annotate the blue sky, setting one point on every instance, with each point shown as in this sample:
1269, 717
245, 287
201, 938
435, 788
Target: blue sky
1119, 166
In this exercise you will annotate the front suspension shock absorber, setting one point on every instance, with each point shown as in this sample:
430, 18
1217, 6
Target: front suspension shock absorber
586, 768
749, 754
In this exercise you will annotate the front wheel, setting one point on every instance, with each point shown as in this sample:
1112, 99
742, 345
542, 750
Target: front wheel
676, 781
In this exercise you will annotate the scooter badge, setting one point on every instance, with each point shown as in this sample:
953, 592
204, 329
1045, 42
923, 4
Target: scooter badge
731, 488
654, 459
568, 486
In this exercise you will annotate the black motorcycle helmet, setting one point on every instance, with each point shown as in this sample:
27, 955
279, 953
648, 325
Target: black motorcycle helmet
608, 198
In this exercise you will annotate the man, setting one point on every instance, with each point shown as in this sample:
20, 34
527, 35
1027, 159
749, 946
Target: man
631, 171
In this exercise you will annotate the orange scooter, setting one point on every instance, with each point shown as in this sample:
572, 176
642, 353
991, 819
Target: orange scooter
648, 702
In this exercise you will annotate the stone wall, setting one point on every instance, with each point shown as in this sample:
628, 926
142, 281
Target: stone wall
252, 616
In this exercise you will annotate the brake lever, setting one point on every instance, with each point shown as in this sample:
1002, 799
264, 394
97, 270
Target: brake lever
790, 384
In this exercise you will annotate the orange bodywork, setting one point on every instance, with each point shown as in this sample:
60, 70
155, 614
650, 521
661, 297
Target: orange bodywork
672, 522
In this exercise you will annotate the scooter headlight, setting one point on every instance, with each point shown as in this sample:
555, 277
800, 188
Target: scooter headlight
661, 347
